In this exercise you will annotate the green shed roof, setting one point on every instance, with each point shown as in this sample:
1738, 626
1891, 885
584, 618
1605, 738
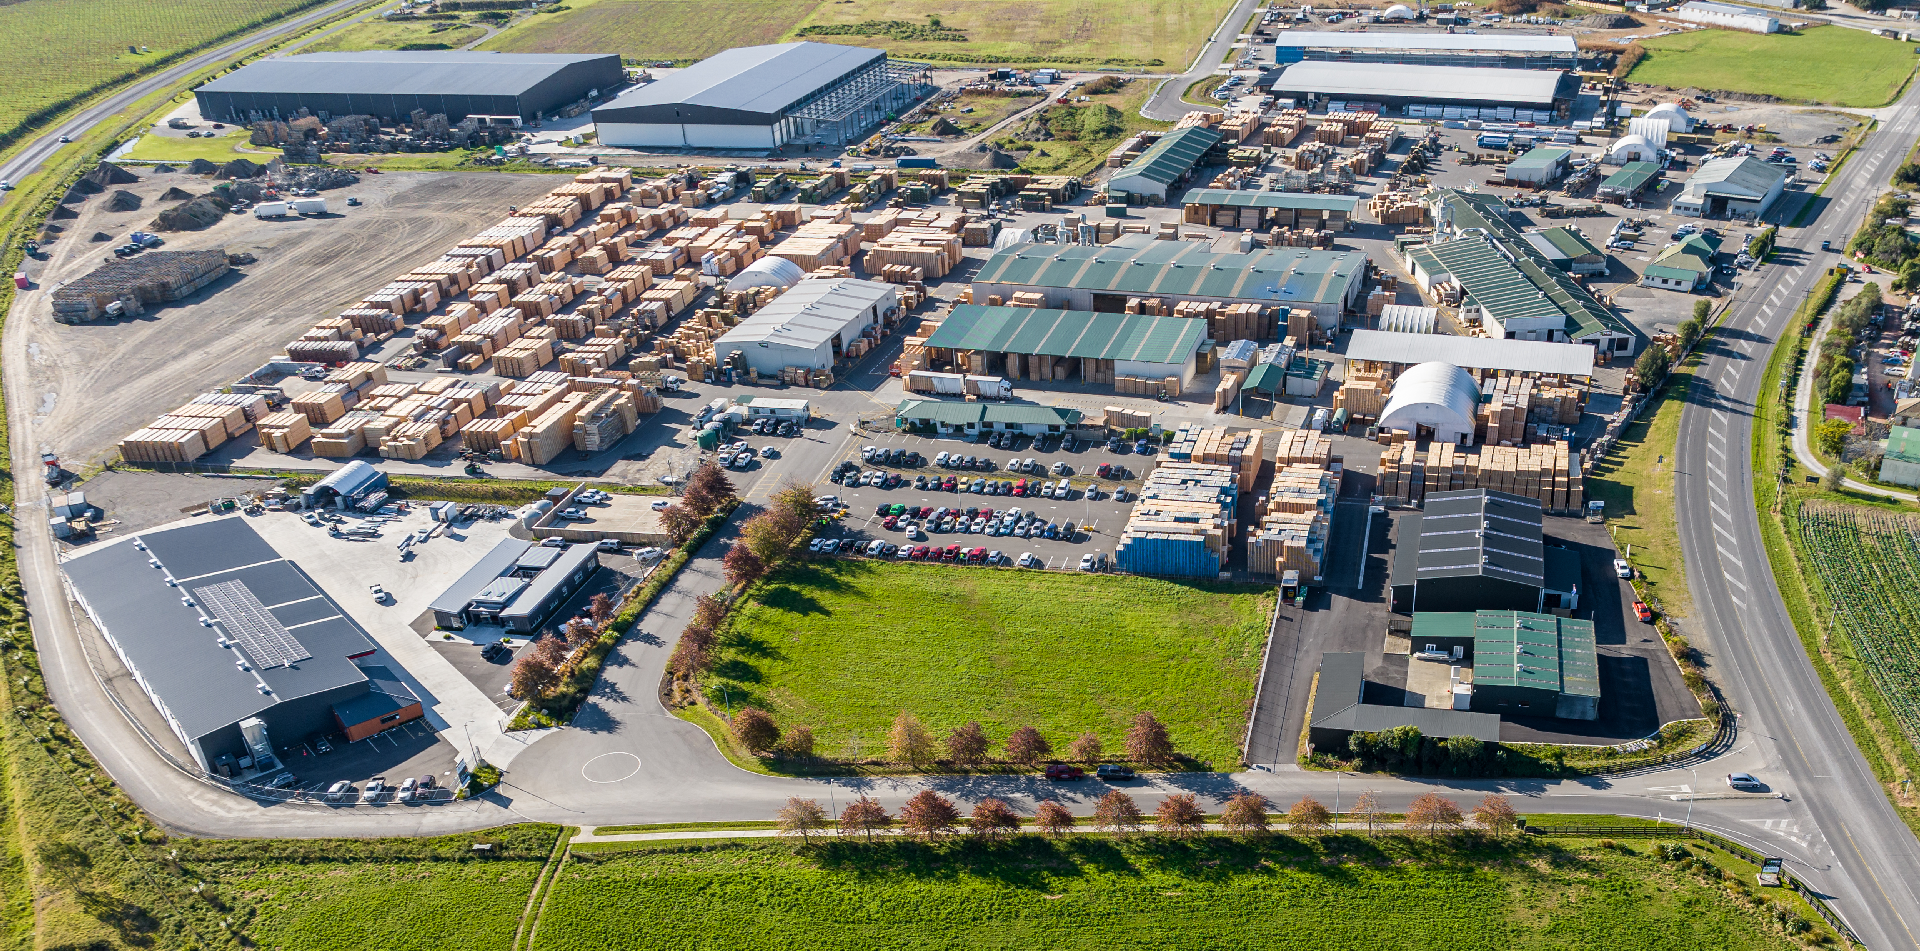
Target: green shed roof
1298, 201
1266, 378
1174, 155
1139, 338
1546, 156
1631, 177
1140, 265
1693, 254
1903, 443
1570, 242
958, 413
1525, 284
1522, 649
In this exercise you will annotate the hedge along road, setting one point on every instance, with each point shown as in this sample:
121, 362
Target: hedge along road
1741, 622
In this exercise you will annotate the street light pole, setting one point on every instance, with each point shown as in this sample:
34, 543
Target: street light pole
1693, 794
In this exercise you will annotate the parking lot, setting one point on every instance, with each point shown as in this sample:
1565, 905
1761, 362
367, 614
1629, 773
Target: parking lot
411, 749
1096, 516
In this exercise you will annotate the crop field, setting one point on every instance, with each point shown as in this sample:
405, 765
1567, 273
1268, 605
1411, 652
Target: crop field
650, 30
378, 34
1145, 33
1215, 892
58, 49
843, 646
1827, 64
1868, 567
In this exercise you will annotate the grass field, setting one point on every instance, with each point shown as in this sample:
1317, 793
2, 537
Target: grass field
1636, 482
1828, 64
843, 646
1147, 33
57, 49
1215, 892
653, 29
1099, 126
225, 147
377, 34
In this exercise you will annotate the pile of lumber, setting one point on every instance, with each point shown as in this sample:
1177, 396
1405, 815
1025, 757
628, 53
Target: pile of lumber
1239, 452
1362, 394
1302, 447
607, 415
1548, 474
1396, 208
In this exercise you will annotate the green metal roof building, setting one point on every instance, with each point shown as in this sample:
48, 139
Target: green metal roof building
1901, 465
1684, 266
1167, 162
1539, 166
1515, 290
1524, 664
1630, 180
1569, 250
954, 416
1102, 277
1138, 345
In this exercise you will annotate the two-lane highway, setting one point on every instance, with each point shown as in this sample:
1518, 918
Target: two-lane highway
1740, 621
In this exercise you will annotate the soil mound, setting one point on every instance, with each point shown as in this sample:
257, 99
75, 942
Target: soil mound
943, 127
108, 173
201, 166
240, 168
123, 200
1609, 21
100, 236
982, 156
175, 193
194, 215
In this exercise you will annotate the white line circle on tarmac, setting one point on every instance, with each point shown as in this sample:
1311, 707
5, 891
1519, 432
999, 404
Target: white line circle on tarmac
587, 770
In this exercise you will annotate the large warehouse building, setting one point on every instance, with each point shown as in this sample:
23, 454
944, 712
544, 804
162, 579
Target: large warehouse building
1736, 187
1390, 85
1427, 49
391, 85
1102, 277
1169, 161
238, 649
766, 97
1031, 343
809, 326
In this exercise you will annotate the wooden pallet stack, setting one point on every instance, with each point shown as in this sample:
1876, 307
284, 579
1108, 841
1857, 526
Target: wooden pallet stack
607, 415
1506, 404
1396, 208
549, 434
1240, 452
1303, 447
1362, 394
522, 358
819, 244
1292, 531
284, 432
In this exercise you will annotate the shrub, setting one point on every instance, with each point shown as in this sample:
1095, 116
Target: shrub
755, 730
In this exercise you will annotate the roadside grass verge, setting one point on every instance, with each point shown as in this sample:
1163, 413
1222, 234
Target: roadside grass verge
1333, 892
376, 33
220, 149
1823, 64
472, 491
1636, 482
1201, 93
843, 646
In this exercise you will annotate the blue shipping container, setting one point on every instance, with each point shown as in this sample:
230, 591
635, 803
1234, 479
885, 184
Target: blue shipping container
917, 163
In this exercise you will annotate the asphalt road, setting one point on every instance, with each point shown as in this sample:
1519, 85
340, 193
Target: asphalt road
1739, 618
1165, 103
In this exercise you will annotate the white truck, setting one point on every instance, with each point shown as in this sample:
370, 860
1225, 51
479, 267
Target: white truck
309, 206
989, 387
272, 209
944, 384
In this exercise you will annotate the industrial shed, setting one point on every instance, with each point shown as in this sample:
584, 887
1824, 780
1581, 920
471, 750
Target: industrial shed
1340, 710
1168, 162
1524, 664
516, 586
1470, 550
1433, 400
1627, 183
1539, 166
1380, 349
390, 85
1102, 277
239, 651
1135, 345
950, 417
1569, 250
766, 97
809, 326
1427, 49
1729, 16
1230, 208
1686, 265
1742, 187
1395, 85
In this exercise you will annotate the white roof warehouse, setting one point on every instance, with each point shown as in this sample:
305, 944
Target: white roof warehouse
809, 326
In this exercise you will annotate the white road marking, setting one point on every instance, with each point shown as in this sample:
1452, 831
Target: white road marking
1729, 556
1717, 528
1716, 450
1732, 580
1741, 604
1716, 507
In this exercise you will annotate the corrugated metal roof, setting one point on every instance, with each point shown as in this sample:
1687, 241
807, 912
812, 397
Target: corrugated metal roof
957, 413
1174, 155
450, 72
1903, 443
1692, 254
1631, 177
1526, 284
1737, 177
1543, 158
1533, 87
1298, 201
1445, 42
1141, 338
1522, 649
1480, 353
1480, 532
1139, 265
1428, 392
1266, 378
1569, 241
1725, 8
811, 313
757, 79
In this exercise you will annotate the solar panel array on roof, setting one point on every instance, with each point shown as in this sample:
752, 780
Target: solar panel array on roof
1395, 81
247, 620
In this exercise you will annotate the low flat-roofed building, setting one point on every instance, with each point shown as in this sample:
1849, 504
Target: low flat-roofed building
1729, 16
1540, 166
1147, 346
1732, 187
1102, 277
1632, 179
517, 586
1340, 710
1569, 250
1469, 550
238, 649
1524, 664
951, 417
1901, 463
390, 84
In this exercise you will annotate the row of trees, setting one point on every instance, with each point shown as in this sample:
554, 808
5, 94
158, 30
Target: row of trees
910, 743
550, 659
931, 816
1833, 369
766, 540
708, 489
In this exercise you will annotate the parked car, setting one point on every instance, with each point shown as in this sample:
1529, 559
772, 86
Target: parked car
1061, 773
373, 789
1029, 560
495, 651
379, 593
408, 788
1622, 569
339, 791
1086, 562
1113, 773
1641, 611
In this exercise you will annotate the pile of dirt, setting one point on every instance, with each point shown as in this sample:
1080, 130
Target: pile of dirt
240, 168
194, 215
982, 156
80, 191
62, 212
318, 179
163, 169
52, 229
123, 200
99, 236
201, 166
108, 173
175, 193
942, 126
1609, 21
241, 191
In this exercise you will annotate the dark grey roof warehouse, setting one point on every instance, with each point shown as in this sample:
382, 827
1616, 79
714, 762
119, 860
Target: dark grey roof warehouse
230, 641
391, 84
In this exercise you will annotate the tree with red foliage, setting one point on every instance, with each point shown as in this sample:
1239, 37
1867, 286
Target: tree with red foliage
538, 669
742, 565
929, 815
1148, 742
1117, 813
707, 489
993, 819
679, 523
1180, 816
755, 730
967, 744
864, 815
1053, 819
1026, 746
601, 608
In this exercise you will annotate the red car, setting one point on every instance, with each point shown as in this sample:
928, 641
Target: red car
923, 511
892, 522
948, 486
1641, 611
1061, 773
977, 555
919, 553
952, 552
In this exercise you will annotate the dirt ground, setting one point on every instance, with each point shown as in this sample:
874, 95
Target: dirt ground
92, 384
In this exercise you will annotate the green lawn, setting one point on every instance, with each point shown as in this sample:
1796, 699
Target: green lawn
653, 29
1146, 33
1097, 128
1215, 892
1636, 482
843, 646
1827, 64
219, 149
379, 34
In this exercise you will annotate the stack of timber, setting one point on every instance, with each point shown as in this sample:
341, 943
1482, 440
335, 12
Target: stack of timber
607, 415
1240, 452
1182, 524
284, 432
1292, 534
1303, 447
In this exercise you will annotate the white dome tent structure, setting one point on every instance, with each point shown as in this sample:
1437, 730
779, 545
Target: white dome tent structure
1632, 148
1677, 118
1399, 11
1436, 398
767, 272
